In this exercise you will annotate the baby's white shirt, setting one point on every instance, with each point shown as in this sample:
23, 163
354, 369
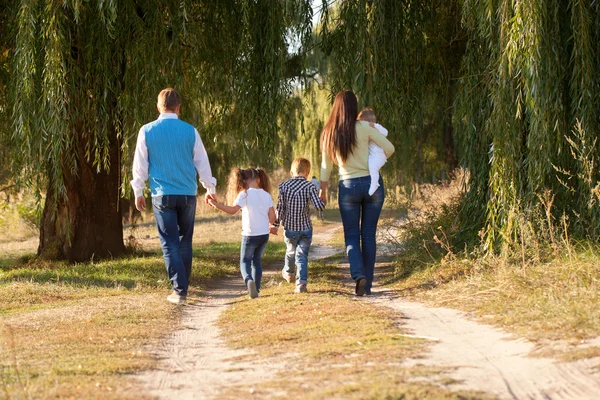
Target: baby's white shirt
374, 149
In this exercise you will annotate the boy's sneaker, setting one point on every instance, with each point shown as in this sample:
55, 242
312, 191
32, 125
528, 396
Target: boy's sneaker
176, 298
300, 288
360, 286
252, 289
288, 277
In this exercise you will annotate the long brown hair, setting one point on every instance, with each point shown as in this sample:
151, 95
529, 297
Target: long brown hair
339, 134
239, 177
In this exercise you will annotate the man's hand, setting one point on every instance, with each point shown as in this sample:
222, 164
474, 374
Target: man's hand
323, 196
212, 202
140, 203
273, 230
208, 197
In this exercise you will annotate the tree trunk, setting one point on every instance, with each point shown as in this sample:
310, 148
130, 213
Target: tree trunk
87, 224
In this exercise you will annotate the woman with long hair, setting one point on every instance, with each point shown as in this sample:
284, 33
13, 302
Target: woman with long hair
345, 142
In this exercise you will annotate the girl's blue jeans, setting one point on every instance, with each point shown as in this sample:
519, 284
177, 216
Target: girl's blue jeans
251, 254
297, 247
360, 215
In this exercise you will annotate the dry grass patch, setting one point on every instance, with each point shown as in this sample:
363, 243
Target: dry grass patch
340, 346
83, 350
557, 300
79, 331
545, 291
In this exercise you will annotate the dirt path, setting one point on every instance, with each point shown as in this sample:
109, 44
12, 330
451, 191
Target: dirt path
484, 358
195, 361
488, 359
319, 248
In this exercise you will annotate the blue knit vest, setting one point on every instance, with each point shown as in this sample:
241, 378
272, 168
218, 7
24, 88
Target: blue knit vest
170, 145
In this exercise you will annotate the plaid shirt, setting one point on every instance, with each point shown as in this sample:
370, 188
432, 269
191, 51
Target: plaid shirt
292, 204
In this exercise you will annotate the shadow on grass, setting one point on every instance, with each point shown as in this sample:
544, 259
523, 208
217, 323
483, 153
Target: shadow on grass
142, 269
199, 220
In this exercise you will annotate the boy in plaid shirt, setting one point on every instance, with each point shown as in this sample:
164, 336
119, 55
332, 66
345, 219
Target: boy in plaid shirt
293, 213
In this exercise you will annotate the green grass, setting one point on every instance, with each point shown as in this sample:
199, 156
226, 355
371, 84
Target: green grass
341, 346
77, 330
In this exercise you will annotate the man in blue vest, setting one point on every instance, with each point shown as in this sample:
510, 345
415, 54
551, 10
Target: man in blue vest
169, 153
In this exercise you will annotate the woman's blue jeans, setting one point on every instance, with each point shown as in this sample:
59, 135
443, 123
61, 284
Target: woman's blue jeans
174, 216
251, 254
360, 215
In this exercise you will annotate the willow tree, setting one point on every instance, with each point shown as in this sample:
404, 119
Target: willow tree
403, 59
528, 113
4, 78
85, 78
515, 82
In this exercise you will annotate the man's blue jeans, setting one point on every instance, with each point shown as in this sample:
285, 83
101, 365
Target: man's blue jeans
174, 216
251, 254
297, 247
360, 215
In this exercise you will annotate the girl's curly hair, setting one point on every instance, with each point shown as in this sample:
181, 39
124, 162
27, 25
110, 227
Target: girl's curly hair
239, 177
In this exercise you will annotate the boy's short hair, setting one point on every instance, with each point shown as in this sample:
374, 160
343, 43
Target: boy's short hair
168, 99
367, 114
300, 166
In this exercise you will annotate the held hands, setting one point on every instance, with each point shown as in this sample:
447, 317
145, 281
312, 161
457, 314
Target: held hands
208, 197
273, 230
140, 203
212, 202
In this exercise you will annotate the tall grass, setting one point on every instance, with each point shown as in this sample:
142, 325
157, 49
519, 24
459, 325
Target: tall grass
544, 285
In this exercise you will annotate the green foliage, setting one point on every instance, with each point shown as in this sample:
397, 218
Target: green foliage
29, 212
402, 58
4, 79
527, 115
87, 74
302, 124
514, 83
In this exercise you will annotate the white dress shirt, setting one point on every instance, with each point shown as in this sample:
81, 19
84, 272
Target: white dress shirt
140, 162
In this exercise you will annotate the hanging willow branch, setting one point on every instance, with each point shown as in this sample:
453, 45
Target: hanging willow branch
529, 76
86, 71
402, 58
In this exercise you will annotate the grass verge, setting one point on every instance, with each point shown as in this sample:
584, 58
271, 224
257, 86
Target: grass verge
546, 292
79, 331
339, 346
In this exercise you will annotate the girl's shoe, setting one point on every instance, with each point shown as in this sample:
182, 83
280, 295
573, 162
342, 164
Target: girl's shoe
251, 285
288, 277
301, 288
360, 286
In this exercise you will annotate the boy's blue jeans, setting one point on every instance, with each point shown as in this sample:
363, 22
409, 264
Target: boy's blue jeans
251, 254
297, 247
174, 216
360, 215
